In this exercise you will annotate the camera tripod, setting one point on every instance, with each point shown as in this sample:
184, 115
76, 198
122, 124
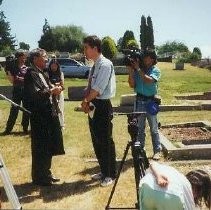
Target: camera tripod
10, 191
140, 161
14, 104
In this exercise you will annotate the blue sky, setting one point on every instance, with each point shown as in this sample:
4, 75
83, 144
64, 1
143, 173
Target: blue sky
181, 20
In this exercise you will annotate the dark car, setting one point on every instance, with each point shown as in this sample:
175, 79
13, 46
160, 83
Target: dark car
73, 68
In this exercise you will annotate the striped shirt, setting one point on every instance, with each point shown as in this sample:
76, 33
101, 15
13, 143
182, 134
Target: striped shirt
103, 78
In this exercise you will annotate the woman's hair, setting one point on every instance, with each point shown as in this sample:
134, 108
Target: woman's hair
201, 183
20, 53
57, 72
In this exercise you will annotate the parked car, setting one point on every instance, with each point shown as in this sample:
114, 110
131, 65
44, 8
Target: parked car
73, 68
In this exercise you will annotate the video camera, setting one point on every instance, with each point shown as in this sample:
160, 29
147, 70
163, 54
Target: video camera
131, 55
10, 63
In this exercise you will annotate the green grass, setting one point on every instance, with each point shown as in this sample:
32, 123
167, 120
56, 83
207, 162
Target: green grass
173, 82
77, 191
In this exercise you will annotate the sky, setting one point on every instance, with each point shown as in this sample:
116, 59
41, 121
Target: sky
187, 21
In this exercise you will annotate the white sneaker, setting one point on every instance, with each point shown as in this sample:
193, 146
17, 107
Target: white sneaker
97, 176
106, 182
156, 156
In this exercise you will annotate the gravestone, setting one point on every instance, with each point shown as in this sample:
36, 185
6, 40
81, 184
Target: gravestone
179, 66
76, 93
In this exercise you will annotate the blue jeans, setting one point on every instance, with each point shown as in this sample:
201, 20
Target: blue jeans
140, 106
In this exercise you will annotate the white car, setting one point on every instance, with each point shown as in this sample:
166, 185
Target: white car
73, 68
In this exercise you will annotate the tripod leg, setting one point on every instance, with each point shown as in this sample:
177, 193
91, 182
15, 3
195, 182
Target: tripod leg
118, 175
10, 191
140, 163
137, 172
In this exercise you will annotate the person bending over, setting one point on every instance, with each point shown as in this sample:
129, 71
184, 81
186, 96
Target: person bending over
164, 188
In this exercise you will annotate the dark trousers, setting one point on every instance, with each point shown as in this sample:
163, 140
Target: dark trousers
41, 165
41, 157
101, 132
17, 98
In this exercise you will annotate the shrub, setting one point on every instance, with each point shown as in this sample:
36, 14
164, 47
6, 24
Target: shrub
109, 49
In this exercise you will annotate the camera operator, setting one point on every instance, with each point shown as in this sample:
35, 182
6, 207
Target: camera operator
143, 77
101, 87
15, 70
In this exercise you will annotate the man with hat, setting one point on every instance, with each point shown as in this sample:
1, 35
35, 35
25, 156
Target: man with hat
144, 81
16, 75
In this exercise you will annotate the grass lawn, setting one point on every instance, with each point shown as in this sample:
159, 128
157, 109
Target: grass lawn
76, 190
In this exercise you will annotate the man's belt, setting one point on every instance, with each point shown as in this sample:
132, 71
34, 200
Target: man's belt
143, 97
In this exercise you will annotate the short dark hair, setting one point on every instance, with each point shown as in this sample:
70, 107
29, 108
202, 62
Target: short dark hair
151, 54
93, 41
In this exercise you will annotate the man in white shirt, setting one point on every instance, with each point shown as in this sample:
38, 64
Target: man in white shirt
101, 87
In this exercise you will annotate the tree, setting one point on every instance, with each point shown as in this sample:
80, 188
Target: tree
46, 27
119, 43
132, 44
128, 35
7, 41
146, 33
172, 48
150, 34
109, 49
197, 51
143, 33
24, 46
62, 38
47, 40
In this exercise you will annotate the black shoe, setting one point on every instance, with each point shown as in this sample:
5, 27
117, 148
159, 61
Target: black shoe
55, 179
42, 183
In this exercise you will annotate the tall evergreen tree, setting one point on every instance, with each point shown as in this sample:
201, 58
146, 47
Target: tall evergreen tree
143, 33
7, 41
47, 40
46, 27
146, 33
150, 34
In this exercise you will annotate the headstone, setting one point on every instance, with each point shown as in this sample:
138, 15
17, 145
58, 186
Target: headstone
76, 93
127, 100
179, 66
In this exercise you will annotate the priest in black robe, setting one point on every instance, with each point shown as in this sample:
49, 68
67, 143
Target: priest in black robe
46, 134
